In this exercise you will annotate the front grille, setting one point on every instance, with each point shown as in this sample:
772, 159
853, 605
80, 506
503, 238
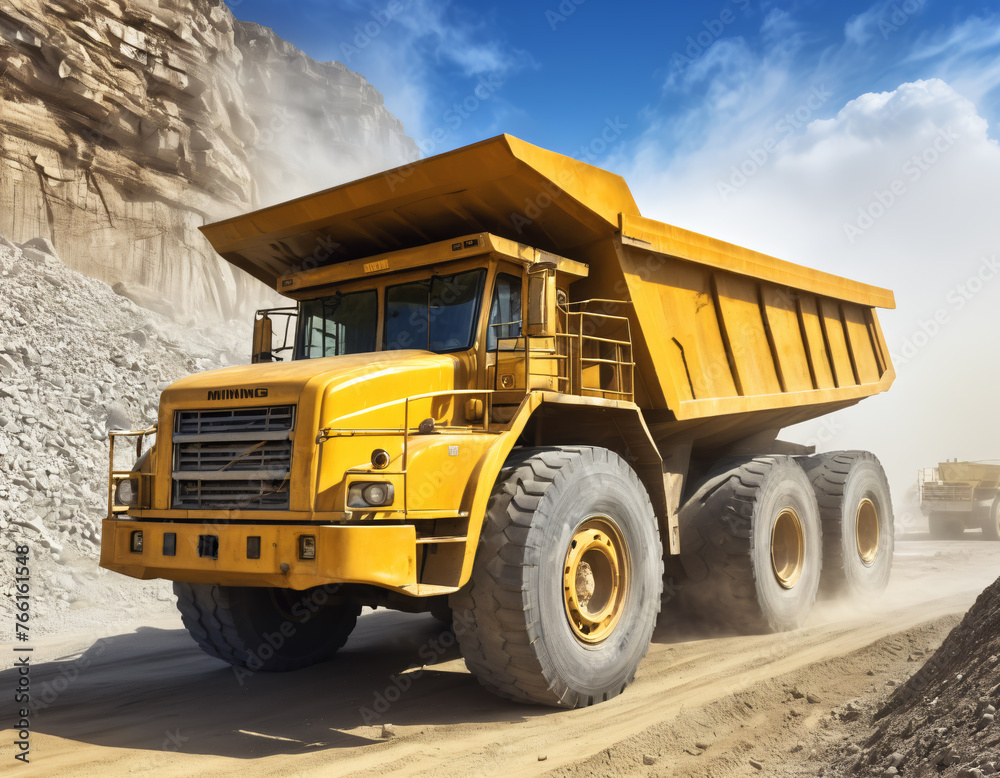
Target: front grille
235, 455
947, 492
233, 459
278, 418
255, 494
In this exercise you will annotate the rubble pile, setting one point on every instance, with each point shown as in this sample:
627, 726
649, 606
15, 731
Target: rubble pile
77, 359
942, 721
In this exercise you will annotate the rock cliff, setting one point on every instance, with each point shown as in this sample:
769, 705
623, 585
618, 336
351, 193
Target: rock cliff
125, 125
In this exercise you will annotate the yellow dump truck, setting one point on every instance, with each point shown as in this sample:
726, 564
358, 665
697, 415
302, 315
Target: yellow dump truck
956, 496
502, 395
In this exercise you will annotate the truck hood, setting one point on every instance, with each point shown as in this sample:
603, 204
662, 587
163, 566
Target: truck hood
346, 384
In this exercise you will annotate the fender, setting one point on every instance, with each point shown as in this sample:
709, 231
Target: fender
557, 419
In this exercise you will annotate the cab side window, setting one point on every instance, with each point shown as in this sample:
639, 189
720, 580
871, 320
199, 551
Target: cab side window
505, 313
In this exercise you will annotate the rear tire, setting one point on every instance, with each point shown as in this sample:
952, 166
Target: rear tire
566, 584
991, 527
753, 548
855, 507
265, 629
944, 527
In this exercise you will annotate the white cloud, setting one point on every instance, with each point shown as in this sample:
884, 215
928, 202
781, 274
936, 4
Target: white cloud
467, 43
965, 55
881, 21
427, 44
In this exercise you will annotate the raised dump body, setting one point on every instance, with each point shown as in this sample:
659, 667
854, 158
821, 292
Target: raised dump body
507, 398
956, 496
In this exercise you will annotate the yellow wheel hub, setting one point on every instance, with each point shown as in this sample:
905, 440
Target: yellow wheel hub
866, 531
788, 548
595, 579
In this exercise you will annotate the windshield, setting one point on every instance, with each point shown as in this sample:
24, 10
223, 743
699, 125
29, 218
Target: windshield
338, 324
436, 314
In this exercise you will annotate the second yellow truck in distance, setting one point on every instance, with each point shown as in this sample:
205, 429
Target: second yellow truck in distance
508, 398
956, 496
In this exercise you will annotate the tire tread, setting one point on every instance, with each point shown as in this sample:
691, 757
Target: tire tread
502, 647
215, 618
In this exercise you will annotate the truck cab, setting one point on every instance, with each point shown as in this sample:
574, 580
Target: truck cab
361, 421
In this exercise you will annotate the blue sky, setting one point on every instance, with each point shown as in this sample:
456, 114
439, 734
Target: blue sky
856, 137
559, 70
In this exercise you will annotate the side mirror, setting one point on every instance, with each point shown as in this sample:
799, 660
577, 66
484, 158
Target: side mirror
541, 318
262, 332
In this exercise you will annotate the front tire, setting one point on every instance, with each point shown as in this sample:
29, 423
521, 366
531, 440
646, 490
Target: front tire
566, 585
752, 548
856, 511
259, 628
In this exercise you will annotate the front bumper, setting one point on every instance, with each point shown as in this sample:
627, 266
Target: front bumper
381, 555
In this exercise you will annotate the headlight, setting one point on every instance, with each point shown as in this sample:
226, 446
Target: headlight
376, 494
127, 492
370, 494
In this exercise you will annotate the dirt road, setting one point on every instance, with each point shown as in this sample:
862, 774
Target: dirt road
145, 700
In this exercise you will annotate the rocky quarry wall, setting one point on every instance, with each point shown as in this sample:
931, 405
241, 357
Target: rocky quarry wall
124, 126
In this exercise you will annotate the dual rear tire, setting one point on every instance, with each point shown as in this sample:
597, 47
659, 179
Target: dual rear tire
752, 545
763, 538
856, 512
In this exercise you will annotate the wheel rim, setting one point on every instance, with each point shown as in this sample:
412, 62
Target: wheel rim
866, 531
595, 579
788, 548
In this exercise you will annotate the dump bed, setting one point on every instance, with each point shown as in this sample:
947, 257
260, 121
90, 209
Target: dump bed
725, 337
971, 472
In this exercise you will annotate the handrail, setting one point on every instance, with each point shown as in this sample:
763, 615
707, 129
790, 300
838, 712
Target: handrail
585, 348
115, 476
574, 348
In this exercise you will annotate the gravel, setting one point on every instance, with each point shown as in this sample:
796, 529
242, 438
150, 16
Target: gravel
76, 360
941, 721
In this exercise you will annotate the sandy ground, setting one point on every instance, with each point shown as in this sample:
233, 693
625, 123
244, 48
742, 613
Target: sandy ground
141, 698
